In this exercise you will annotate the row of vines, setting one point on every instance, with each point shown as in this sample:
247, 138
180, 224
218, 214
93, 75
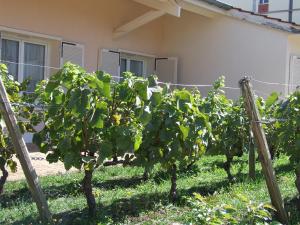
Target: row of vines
89, 118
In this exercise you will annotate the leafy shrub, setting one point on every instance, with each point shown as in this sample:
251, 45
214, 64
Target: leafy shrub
242, 211
13, 89
230, 126
268, 109
288, 131
89, 118
176, 134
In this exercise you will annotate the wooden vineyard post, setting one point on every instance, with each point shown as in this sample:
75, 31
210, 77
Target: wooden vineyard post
251, 156
23, 155
263, 150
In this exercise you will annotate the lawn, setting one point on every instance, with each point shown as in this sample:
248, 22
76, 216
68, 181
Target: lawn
124, 198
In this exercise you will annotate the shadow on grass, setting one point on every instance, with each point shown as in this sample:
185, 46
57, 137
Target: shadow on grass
68, 189
73, 188
118, 210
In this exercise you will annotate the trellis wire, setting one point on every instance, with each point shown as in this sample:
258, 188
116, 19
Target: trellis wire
28, 64
274, 83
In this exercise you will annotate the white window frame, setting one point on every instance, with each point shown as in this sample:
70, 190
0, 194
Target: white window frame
263, 2
22, 42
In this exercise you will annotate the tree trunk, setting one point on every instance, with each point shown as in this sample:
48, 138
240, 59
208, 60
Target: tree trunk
3, 178
173, 191
297, 182
146, 175
227, 166
251, 160
115, 158
272, 151
88, 192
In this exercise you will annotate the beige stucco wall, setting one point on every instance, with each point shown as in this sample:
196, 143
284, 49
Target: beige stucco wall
89, 22
208, 48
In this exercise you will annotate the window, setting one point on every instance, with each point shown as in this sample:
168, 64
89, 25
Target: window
10, 53
34, 62
263, 6
134, 66
263, 1
25, 60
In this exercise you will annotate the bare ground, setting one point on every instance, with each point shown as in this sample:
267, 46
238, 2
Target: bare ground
41, 166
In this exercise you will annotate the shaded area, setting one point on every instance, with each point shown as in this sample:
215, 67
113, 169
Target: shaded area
119, 209
133, 206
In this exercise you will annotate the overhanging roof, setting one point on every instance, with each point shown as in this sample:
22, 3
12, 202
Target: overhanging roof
206, 8
264, 20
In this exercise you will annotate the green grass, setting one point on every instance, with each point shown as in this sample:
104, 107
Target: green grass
123, 198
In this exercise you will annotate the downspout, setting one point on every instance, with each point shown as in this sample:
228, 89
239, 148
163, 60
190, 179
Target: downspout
291, 9
254, 8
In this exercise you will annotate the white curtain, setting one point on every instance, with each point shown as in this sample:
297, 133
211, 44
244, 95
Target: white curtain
10, 56
34, 55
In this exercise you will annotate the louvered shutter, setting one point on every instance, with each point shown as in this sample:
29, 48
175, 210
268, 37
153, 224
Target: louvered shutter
110, 62
72, 53
166, 69
295, 73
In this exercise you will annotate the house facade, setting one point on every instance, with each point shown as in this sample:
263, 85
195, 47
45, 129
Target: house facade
287, 10
182, 41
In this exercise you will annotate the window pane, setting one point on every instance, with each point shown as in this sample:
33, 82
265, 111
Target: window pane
136, 67
10, 54
123, 66
34, 55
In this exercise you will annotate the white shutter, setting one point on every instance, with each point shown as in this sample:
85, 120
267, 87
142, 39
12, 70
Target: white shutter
72, 53
295, 73
166, 69
110, 62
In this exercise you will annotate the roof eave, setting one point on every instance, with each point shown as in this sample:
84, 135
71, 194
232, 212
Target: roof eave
248, 16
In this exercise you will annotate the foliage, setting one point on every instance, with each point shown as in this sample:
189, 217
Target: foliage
90, 118
76, 103
282, 127
13, 89
242, 211
288, 131
176, 134
230, 126
268, 110
127, 109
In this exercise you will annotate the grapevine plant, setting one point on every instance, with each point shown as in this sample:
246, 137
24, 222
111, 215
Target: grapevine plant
7, 152
268, 109
89, 118
176, 134
288, 131
230, 127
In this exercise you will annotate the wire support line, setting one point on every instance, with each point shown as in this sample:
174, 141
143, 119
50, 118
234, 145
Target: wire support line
186, 85
274, 83
269, 121
28, 64
197, 85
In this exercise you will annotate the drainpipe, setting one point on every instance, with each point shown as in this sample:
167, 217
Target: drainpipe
254, 8
291, 8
